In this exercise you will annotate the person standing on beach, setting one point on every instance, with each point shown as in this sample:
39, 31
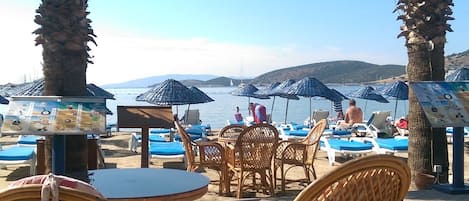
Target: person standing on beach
238, 116
260, 114
353, 115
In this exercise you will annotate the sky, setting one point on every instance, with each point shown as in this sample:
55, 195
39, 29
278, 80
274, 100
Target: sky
246, 38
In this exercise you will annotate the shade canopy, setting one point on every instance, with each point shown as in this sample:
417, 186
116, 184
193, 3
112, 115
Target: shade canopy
248, 90
3, 100
460, 74
202, 95
398, 89
268, 90
368, 93
171, 92
36, 88
311, 87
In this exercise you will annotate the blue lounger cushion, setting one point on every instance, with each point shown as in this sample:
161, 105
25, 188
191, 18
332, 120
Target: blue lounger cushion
159, 131
301, 133
348, 145
193, 137
17, 153
28, 139
166, 148
153, 138
449, 130
393, 144
338, 132
232, 122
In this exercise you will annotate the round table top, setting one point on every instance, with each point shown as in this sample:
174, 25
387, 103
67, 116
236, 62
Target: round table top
147, 183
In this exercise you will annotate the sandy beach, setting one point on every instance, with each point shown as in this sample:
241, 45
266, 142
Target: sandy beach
117, 155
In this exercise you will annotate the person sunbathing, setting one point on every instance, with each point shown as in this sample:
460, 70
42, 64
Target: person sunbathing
353, 115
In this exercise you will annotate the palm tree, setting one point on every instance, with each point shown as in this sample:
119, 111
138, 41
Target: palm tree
64, 33
424, 28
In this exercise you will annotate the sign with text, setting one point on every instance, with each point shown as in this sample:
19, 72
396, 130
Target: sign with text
48, 115
145, 116
446, 104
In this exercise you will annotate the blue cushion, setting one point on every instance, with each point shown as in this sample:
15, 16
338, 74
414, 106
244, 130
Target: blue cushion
302, 133
338, 131
17, 153
232, 122
393, 144
153, 138
449, 130
348, 145
28, 139
159, 131
193, 137
166, 148
195, 131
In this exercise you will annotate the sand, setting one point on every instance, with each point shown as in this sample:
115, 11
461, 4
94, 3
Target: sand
117, 155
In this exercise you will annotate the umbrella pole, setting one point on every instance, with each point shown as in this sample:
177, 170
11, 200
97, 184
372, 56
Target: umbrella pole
310, 114
395, 106
366, 102
286, 111
186, 117
272, 110
249, 101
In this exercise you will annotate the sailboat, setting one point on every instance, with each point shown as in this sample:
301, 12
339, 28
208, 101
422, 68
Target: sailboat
231, 83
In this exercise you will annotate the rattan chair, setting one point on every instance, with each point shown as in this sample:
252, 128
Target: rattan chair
32, 192
210, 155
376, 178
253, 153
231, 131
300, 153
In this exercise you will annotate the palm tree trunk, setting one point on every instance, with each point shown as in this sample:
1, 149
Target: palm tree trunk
64, 32
420, 138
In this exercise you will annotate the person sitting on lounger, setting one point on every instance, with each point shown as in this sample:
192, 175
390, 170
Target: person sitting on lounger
238, 116
353, 115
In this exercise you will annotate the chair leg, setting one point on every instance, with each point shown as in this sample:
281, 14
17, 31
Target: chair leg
308, 178
314, 172
239, 192
282, 172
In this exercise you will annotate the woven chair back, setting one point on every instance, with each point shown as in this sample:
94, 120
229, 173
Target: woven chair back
374, 178
312, 139
256, 146
231, 130
32, 192
187, 143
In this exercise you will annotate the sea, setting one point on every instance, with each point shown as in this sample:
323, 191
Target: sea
217, 113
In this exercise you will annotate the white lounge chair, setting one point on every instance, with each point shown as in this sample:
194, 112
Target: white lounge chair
377, 123
317, 116
345, 147
449, 133
191, 117
390, 146
19, 155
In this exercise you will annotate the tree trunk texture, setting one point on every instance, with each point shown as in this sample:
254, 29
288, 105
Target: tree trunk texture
65, 75
420, 133
440, 143
64, 33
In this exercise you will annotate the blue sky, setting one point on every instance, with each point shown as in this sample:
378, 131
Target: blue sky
142, 38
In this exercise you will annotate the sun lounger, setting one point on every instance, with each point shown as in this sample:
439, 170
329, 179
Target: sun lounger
136, 139
28, 140
317, 116
377, 123
387, 145
167, 150
19, 155
233, 122
191, 117
345, 147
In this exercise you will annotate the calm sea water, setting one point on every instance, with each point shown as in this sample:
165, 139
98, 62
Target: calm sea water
216, 113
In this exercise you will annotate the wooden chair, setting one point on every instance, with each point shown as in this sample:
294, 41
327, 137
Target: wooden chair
253, 153
50, 187
300, 153
377, 177
210, 155
231, 131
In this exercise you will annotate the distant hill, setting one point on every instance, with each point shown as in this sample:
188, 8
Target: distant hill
333, 72
146, 82
457, 60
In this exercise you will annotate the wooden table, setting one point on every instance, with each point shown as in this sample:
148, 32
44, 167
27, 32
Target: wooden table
149, 184
228, 139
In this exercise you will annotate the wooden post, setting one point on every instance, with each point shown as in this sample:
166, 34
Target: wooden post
144, 158
92, 154
40, 157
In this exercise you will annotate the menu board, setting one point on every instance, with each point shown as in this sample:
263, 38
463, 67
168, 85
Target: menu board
445, 104
46, 115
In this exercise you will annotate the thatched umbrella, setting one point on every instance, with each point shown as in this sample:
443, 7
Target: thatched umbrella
249, 91
268, 92
368, 93
460, 74
399, 90
3, 100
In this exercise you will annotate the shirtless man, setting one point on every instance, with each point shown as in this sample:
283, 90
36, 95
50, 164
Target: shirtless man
353, 115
